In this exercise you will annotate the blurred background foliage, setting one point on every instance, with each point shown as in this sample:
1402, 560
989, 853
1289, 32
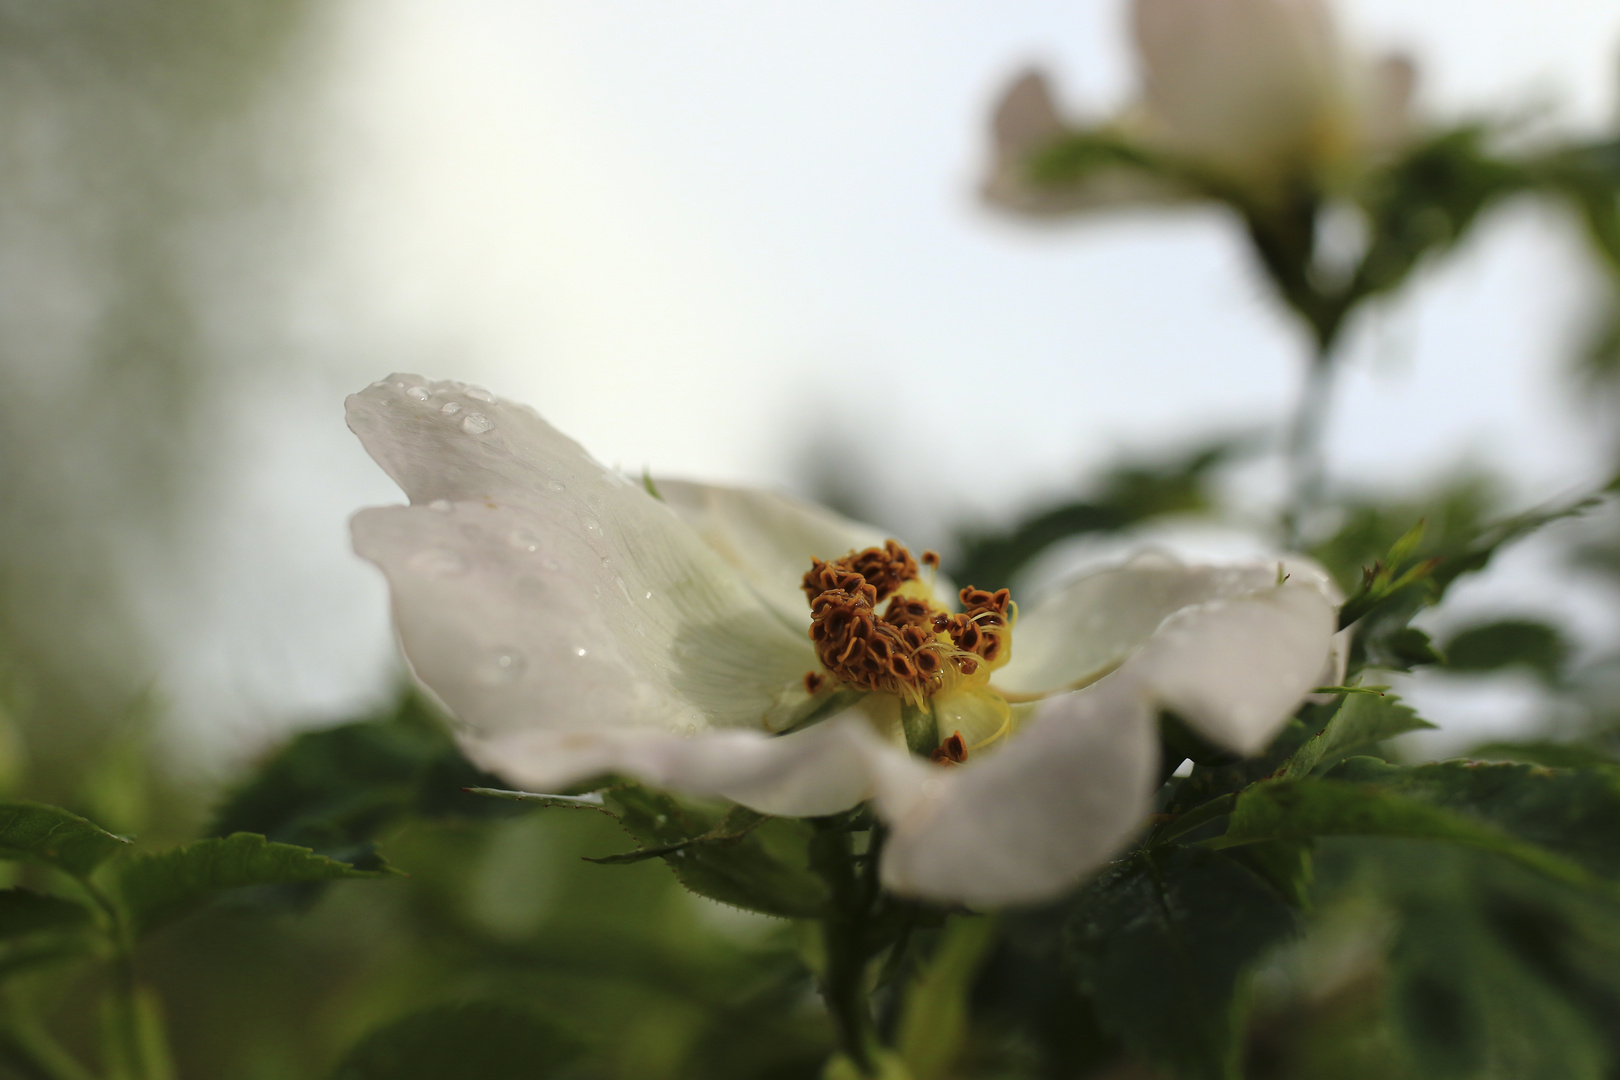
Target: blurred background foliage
140, 160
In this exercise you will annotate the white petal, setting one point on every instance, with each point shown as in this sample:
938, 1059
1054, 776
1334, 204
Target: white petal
1236, 669
768, 538
1091, 625
1242, 84
1028, 820
535, 589
821, 770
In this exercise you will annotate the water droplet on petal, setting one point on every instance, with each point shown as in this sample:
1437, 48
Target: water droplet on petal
476, 423
478, 393
592, 526
418, 393
501, 666
439, 562
441, 505
556, 485
579, 652
647, 595
450, 408
523, 540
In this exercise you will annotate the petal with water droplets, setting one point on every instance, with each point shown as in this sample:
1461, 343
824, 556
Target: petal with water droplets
535, 589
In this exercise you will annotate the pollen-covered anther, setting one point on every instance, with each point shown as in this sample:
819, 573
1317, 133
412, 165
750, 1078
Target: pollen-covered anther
912, 649
953, 751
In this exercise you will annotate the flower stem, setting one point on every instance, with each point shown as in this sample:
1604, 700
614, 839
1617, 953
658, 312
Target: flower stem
1304, 446
846, 934
127, 1051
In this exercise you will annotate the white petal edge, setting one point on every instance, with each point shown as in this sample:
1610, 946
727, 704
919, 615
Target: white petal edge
534, 588
822, 770
1092, 624
1236, 669
1032, 818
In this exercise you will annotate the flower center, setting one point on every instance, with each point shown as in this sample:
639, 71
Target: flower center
912, 648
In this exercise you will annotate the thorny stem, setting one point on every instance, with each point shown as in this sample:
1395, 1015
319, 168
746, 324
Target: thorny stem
846, 936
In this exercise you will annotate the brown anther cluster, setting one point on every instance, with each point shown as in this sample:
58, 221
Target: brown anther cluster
982, 624
885, 569
900, 651
953, 751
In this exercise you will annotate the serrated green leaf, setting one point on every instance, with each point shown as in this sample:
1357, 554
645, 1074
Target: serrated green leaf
470, 1041
1304, 809
24, 912
1161, 945
158, 887
1360, 721
761, 864
335, 790
35, 832
1573, 812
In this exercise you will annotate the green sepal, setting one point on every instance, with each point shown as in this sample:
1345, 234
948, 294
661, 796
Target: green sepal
34, 832
158, 887
729, 854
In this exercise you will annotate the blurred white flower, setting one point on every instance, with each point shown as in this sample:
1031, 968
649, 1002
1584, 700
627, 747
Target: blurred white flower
1257, 94
579, 625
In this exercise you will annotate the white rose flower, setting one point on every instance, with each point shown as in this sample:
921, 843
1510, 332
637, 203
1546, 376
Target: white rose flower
1260, 93
723, 642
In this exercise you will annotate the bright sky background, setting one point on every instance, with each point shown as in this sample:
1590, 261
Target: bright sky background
710, 237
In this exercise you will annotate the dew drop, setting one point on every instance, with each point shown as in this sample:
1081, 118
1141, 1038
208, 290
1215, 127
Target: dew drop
592, 526
647, 595
450, 408
418, 393
523, 540
478, 393
476, 423
579, 652
441, 505
501, 666
556, 485
438, 562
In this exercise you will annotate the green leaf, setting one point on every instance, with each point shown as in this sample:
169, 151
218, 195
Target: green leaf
727, 854
1507, 642
1161, 944
471, 1041
1574, 812
1305, 809
34, 832
158, 887
1360, 721
335, 790
24, 912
